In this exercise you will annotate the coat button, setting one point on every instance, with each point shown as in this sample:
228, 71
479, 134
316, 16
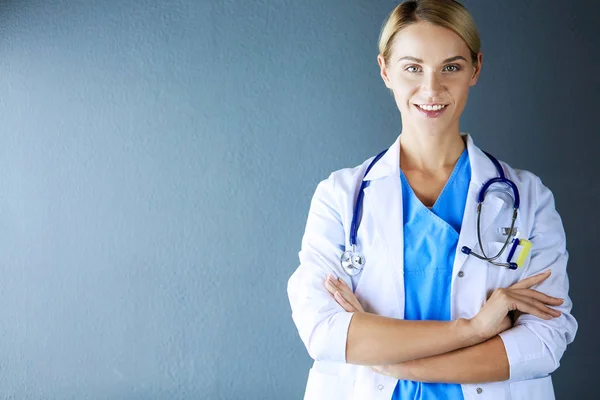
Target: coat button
479, 390
380, 387
461, 274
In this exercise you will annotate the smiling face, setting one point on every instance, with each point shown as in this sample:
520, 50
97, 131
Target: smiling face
429, 71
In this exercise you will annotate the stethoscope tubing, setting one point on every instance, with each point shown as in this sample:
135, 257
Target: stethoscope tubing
353, 262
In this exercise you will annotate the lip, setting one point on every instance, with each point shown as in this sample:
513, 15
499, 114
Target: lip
431, 114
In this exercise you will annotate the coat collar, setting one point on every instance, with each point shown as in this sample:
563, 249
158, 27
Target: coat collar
482, 168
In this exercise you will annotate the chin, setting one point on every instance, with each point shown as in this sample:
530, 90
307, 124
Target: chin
431, 127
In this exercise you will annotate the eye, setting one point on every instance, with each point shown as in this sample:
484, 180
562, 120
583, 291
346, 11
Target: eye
453, 68
412, 69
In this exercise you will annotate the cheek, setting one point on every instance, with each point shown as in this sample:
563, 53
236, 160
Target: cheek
404, 89
404, 84
459, 90
402, 98
462, 95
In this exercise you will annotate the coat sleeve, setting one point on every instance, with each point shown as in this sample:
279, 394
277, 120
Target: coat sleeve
321, 322
534, 346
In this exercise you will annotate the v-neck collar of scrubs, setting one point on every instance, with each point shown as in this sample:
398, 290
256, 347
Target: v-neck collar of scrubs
439, 208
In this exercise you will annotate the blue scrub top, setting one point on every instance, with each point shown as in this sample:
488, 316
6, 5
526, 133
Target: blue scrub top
430, 240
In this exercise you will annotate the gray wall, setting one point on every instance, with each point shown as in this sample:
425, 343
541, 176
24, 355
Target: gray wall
157, 161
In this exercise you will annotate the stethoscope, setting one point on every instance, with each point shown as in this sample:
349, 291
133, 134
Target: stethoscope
353, 261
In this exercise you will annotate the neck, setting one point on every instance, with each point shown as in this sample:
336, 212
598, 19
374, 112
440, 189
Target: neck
430, 153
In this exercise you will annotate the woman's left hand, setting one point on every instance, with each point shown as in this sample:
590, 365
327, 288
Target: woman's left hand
343, 295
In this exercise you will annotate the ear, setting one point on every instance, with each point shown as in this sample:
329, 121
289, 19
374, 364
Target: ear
383, 70
476, 69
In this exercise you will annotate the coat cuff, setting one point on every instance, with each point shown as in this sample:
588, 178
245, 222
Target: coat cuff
328, 342
527, 354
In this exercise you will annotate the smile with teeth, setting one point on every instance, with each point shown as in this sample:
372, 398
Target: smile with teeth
430, 107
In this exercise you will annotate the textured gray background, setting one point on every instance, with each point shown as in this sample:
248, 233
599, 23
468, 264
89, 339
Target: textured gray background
157, 161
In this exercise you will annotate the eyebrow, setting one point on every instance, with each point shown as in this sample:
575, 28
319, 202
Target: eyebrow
445, 61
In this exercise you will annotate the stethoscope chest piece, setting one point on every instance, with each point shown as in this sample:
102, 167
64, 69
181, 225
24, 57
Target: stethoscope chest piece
352, 261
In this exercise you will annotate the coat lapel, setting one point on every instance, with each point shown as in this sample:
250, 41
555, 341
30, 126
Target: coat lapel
383, 214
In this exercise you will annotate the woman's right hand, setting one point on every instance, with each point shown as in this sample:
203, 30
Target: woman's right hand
488, 322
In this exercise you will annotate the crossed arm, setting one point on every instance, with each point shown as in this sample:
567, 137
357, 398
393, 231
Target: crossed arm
482, 360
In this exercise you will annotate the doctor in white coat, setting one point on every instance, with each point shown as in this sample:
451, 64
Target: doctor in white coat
506, 330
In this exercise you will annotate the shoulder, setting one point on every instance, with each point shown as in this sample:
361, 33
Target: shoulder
346, 180
524, 179
335, 195
531, 187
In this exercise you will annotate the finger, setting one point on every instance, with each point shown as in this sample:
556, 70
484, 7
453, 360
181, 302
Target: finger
532, 280
343, 302
332, 279
343, 286
538, 304
543, 297
530, 306
525, 308
380, 369
377, 369
330, 286
350, 297
353, 301
343, 283
333, 283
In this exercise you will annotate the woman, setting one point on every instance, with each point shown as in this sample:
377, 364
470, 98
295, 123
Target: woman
429, 315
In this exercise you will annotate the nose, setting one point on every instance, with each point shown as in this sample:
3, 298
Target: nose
432, 85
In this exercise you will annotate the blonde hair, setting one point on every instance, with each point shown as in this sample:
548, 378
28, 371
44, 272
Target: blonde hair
449, 14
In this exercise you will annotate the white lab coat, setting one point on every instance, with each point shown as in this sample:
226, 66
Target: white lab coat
534, 346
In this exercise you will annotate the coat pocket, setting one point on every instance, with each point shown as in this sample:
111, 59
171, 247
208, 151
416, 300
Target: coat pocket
322, 386
502, 277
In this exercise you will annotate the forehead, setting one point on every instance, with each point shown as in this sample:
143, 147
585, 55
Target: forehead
429, 42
